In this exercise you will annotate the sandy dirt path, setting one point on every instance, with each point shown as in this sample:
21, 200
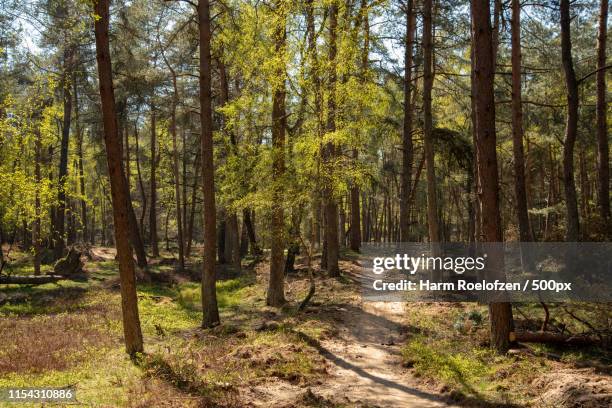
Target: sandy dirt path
365, 360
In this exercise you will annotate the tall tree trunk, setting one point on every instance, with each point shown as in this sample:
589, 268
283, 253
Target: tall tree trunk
571, 127
175, 168
355, 226
407, 145
58, 226
276, 286
209, 293
232, 237
153, 210
517, 127
318, 101
36, 227
194, 191
428, 77
128, 159
177, 189
131, 321
603, 150
184, 185
143, 194
484, 67
79, 134
331, 206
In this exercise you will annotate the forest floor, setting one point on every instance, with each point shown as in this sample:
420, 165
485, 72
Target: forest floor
339, 352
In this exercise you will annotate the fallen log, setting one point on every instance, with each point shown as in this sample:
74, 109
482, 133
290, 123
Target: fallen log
38, 279
554, 338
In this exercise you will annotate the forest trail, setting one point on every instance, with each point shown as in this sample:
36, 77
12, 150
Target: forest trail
363, 358
366, 360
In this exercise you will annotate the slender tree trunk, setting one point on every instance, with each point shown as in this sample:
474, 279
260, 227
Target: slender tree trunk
221, 236
194, 195
128, 159
571, 127
517, 127
407, 145
331, 206
58, 227
131, 321
184, 185
244, 239
232, 237
428, 77
355, 226
175, 168
248, 221
79, 134
143, 194
276, 287
484, 67
603, 149
153, 210
355, 233
36, 227
209, 293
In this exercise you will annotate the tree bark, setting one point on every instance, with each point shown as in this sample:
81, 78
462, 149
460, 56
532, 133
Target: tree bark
603, 149
484, 69
79, 134
58, 226
131, 321
194, 192
276, 286
331, 206
36, 239
517, 128
248, 221
175, 167
428, 77
407, 144
209, 294
355, 221
232, 237
571, 127
143, 195
153, 210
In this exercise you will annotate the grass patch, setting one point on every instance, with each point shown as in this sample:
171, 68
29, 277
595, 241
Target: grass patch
448, 344
81, 323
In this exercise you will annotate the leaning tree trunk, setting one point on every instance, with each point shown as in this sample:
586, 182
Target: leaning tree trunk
276, 286
209, 294
603, 162
484, 67
129, 305
407, 145
571, 126
517, 127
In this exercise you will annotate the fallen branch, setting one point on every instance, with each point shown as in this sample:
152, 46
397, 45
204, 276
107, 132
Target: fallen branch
555, 338
37, 279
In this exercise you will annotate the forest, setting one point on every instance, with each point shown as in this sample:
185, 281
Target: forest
187, 188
